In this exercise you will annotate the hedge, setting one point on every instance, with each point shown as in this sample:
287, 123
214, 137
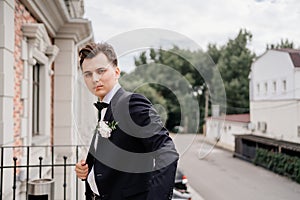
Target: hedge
279, 163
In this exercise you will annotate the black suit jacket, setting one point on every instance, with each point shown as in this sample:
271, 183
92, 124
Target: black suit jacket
139, 160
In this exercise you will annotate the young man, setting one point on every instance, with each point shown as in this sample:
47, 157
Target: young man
131, 154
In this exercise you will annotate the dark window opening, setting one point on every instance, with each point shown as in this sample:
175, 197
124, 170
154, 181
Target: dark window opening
35, 99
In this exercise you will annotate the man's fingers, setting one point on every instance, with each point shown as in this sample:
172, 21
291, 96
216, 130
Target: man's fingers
81, 169
82, 175
83, 162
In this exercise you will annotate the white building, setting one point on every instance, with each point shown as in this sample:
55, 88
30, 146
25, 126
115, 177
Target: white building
223, 128
275, 95
39, 42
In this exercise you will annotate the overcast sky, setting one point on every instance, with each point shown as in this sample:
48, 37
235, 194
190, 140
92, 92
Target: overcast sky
203, 21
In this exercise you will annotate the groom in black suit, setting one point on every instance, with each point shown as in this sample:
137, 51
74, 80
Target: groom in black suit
131, 154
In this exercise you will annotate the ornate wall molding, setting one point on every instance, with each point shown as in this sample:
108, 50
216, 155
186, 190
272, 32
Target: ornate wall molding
40, 44
59, 21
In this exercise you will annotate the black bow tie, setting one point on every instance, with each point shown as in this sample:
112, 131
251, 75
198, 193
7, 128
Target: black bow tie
100, 105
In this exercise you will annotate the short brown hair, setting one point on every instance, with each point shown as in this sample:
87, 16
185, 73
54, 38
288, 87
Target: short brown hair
93, 49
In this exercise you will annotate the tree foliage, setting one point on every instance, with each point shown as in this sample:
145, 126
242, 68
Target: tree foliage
233, 62
195, 73
173, 74
282, 45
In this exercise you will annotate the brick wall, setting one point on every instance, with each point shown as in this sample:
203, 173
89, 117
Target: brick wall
21, 16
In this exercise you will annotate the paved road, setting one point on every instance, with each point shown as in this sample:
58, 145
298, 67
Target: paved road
220, 176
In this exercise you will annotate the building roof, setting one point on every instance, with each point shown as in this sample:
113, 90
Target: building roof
270, 141
294, 54
243, 118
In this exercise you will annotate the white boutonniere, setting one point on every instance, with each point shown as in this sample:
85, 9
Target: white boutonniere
105, 128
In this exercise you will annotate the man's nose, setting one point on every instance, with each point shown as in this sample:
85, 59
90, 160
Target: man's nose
96, 76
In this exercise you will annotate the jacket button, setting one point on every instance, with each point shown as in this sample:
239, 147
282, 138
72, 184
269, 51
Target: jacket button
99, 174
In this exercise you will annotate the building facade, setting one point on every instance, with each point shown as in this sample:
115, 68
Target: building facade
222, 129
39, 42
275, 95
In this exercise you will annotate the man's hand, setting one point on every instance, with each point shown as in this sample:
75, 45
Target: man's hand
82, 169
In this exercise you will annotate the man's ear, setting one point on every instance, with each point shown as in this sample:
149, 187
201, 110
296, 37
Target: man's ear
118, 72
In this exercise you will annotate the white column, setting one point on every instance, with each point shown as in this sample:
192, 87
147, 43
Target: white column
7, 33
63, 91
64, 80
6, 70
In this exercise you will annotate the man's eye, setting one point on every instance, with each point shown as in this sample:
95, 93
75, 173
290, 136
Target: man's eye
100, 71
88, 74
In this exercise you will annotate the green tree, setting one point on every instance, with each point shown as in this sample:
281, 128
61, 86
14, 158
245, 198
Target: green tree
233, 62
194, 72
283, 44
214, 52
142, 59
177, 71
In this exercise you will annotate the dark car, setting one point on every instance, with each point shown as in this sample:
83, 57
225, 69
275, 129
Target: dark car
180, 191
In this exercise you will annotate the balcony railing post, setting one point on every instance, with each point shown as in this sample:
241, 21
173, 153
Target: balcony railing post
52, 161
27, 171
15, 177
40, 158
1, 181
77, 155
65, 177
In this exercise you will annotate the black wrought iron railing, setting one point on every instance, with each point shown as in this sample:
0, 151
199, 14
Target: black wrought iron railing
54, 160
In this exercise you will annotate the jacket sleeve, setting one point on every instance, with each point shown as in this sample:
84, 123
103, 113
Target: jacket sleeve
157, 141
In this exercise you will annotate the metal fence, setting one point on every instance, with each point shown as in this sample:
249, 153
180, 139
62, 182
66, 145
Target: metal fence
67, 161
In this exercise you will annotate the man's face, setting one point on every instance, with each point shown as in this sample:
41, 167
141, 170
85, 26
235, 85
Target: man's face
99, 75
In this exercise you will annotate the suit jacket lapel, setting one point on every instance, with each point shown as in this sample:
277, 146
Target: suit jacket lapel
109, 115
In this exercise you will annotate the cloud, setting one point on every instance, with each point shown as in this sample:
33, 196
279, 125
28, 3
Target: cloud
205, 22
